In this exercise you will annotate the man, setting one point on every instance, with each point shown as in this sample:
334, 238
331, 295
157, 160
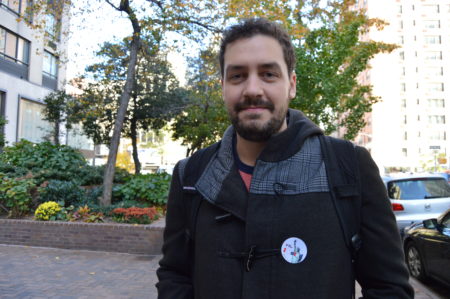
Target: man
266, 226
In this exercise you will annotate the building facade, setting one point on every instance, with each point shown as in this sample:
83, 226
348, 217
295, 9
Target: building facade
409, 129
30, 68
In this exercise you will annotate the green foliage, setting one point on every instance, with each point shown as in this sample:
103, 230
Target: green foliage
64, 192
155, 98
205, 119
328, 64
16, 195
59, 108
12, 170
150, 188
45, 160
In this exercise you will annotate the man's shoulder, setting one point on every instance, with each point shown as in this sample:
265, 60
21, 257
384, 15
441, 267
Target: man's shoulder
198, 159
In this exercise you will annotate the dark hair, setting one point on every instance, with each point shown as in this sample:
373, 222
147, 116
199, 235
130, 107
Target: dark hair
251, 27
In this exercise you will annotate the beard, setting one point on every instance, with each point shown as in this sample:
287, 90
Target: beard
253, 130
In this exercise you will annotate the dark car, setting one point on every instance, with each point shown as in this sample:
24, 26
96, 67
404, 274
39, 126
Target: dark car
427, 248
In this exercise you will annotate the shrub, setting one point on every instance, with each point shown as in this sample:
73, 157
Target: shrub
45, 160
135, 215
64, 192
49, 210
151, 188
12, 171
16, 195
86, 215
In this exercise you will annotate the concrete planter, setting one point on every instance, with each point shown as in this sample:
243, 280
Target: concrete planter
112, 237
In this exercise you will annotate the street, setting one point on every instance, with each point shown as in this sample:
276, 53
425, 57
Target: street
36, 272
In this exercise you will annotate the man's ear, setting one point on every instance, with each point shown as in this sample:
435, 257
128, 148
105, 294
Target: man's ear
292, 85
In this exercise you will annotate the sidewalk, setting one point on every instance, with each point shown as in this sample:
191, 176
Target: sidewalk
35, 273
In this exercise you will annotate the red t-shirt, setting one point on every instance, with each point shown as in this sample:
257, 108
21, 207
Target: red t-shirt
247, 178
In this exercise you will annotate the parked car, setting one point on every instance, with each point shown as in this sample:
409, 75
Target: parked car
416, 197
427, 248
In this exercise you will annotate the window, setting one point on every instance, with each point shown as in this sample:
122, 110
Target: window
399, 9
416, 189
405, 119
432, 39
437, 135
433, 55
431, 24
402, 55
405, 152
13, 47
402, 86
435, 87
405, 135
31, 125
50, 67
430, 8
401, 40
436, 119
403, 72
434, 71
436, 103
16, 6
2, 104
50, 25
400, 24
403, 103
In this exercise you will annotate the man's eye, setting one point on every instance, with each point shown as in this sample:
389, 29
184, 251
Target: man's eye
235, 77
269, 75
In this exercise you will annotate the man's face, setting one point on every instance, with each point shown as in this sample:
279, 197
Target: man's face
256, 87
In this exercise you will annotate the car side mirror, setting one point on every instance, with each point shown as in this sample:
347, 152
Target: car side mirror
430, 223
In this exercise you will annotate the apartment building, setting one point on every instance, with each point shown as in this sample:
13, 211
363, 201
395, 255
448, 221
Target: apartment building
30, 67
410, 127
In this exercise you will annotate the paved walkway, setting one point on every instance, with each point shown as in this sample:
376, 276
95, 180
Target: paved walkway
32, 272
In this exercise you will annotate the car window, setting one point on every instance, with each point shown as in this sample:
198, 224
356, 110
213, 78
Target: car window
446, 221
421, 188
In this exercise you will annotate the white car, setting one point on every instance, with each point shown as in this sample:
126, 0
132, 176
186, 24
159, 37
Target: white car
417, 197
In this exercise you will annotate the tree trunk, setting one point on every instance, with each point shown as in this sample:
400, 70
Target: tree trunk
137, 163
56, 133
105, 200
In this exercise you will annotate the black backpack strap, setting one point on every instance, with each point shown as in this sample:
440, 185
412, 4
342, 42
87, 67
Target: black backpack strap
343, 178
190, 170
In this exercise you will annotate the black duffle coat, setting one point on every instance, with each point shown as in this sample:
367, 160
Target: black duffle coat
289, 197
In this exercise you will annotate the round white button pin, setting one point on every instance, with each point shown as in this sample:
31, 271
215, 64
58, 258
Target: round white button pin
294, 250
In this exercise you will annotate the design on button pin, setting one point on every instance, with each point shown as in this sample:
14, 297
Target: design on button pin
294, 250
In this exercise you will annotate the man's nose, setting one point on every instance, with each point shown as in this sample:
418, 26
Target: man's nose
253, 87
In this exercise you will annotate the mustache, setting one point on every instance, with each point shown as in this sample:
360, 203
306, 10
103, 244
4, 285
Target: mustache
252, 103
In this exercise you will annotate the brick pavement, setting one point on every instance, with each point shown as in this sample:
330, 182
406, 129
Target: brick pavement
35, 273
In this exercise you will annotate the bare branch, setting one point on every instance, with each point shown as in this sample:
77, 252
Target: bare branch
112, 4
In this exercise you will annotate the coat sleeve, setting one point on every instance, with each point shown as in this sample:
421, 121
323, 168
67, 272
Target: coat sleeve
174, 273
380, 264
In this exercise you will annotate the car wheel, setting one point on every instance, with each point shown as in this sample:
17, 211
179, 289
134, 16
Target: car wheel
414, 262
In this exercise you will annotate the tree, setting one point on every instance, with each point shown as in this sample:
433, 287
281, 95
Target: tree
330, 56
58, 109
329, 61
205, 119
155, 97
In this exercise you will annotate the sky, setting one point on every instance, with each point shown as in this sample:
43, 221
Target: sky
89, 30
